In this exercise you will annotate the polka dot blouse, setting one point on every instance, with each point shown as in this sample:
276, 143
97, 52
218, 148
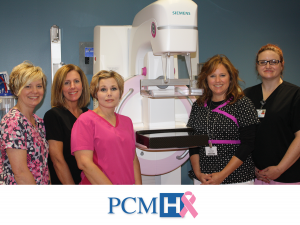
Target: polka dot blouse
220, 127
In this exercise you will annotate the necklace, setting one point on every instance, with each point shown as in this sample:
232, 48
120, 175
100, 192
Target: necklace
216, 104
210, 134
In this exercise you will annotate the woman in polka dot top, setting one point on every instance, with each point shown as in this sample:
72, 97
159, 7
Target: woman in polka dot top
229, 119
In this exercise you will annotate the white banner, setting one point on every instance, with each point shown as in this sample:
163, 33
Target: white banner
148, 204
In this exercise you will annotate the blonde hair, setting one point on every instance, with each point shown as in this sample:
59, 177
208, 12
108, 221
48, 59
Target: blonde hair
104, 74
57, 96
23, 74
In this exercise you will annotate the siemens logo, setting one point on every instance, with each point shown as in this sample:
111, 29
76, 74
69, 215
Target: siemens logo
181, 13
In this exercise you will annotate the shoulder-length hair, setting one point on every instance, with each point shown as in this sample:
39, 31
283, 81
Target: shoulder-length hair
23, 74
57, 96
234, 91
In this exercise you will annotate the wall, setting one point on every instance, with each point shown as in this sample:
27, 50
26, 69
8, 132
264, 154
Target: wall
236, 28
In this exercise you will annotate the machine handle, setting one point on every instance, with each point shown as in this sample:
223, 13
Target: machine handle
183, 155
189, 67
123, 99
189, 100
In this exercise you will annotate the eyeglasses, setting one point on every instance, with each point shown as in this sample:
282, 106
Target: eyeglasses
265, 62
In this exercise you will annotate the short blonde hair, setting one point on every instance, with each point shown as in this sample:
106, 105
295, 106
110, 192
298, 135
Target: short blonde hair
57, 96
23, 74
104, 74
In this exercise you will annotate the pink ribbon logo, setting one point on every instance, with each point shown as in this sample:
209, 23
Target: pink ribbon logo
188, 204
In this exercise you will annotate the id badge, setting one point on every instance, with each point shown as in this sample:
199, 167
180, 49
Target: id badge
261, 113
211, 151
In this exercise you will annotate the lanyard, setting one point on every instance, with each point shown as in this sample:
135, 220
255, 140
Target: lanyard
262, 102
211, 134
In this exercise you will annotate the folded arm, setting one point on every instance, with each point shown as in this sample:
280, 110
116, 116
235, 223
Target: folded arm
195, 161
247, 138
233, 164
290, 157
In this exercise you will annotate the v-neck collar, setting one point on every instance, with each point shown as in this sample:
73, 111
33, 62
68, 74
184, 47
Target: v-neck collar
69, 112
272, 94
37, 122
117, 119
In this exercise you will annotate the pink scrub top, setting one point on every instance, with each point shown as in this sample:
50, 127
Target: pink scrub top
113, 147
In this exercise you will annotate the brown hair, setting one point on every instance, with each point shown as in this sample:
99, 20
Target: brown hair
57, 96
273, 48
104, 74
234, 90
23, 74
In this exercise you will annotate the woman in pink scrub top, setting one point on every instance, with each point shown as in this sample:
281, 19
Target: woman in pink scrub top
103, 141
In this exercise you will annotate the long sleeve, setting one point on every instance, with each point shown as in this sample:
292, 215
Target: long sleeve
247, 138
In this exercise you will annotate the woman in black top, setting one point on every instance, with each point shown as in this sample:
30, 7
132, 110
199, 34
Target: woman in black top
69, 96
277, 144
229, 118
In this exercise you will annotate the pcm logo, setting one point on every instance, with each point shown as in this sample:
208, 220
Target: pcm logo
171, 205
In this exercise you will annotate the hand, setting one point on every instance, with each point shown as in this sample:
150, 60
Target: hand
271, 172
216, 178
203, 177
260, 176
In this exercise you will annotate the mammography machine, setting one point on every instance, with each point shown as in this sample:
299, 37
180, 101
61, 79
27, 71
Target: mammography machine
145, 54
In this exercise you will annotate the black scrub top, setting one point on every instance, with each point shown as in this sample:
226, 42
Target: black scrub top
277, 129
58, 123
